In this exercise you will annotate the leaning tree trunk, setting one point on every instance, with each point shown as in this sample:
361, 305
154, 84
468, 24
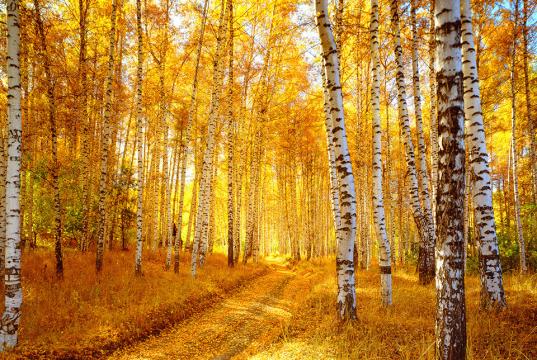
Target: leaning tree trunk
13, 290
422, 217
378, 199
54, 139
346, 297
450, 303
139, 145
106, 140
490, 269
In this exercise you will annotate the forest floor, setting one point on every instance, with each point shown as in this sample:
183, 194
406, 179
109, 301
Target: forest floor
270, 311
243, 324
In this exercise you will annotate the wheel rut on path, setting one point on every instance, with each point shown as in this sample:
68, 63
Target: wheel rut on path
248, 319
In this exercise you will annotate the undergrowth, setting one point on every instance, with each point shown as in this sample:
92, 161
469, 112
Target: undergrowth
89, 315
406, 329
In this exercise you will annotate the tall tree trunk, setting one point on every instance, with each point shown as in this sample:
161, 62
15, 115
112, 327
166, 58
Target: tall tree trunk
13, 290
105, 143
521, 242
492, 293
3, 174
378, 198
423, 176
139, 144
450, 303
202, 213
230, 144
433, 125
334, 185
186, 141
422, 217
83, 6
530, 117
53, 137
346, 297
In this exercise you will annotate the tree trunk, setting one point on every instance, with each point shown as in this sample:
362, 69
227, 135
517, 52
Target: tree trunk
186, 141
450, 303
202, 212
530, 118
422, 217
105, 143
13, 290
139, 143
54, 139
423, 176
433, 125
83, 6
346, 297
378, 199
521, 242
230, 144
492, 293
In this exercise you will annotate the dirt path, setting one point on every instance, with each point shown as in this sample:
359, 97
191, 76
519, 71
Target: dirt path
247, 320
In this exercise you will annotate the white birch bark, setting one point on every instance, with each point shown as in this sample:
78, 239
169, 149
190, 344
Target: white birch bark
423, 176
492, 293
202, 213
450, 303
3, 174
530, 117
106, 140
13, 290
433, 112
520, 235
346, 297
50, 84
139, 145
421, 217
231, 143
378, 198
186, 141
334, 186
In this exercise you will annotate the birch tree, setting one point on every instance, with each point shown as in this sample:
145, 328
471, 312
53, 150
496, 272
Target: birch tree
202, 213
450, 303
433, 110
51, 113
231, 135
346, 297
492, 293
106, 139
422, 216
139, 144
378, 198
514, 153
12, 273
83, 8
423, 176
186, 140
530, 117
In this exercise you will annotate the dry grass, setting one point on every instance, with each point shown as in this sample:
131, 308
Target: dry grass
88, 315
406, 330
